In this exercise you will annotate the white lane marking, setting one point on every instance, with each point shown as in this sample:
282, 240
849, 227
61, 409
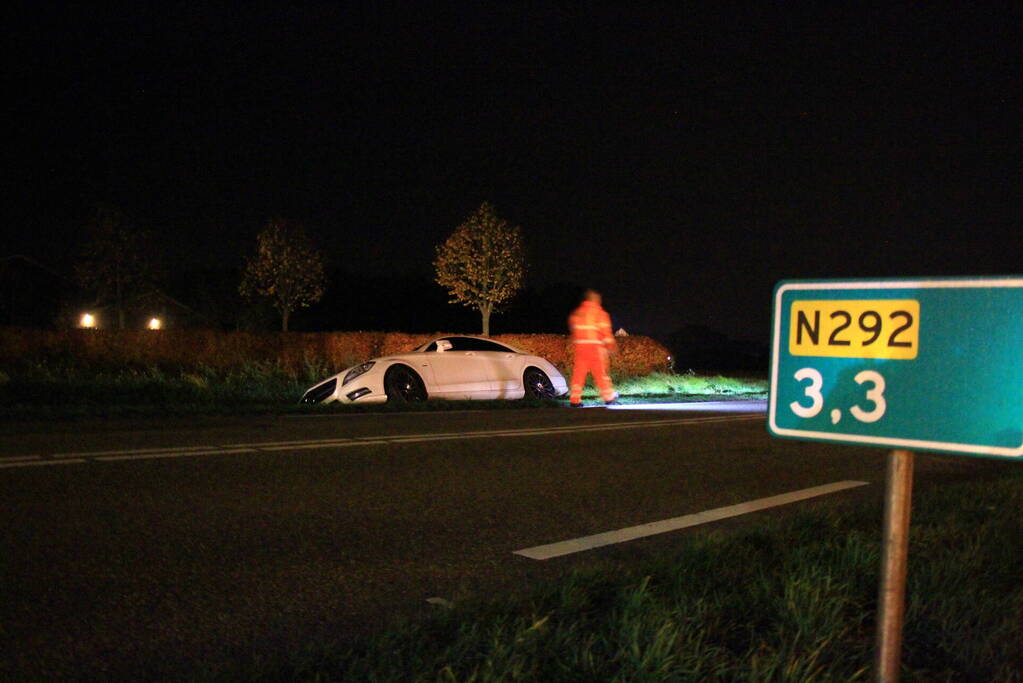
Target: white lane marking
531, 431
334, 443
576, 545
272, 444
441, 602
303, 445
140, 451
38, 463
190, 453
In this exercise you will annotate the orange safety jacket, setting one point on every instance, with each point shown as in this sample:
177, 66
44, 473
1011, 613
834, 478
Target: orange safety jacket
590, 324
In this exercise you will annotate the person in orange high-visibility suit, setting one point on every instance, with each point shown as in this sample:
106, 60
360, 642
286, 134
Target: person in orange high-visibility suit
592, 341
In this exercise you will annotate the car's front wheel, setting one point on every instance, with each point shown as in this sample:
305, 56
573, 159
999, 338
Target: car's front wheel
537, 385
403, 385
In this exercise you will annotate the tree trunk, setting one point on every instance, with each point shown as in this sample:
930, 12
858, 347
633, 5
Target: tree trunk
285, 314
485, 310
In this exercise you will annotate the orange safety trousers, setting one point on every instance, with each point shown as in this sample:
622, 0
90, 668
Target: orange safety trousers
590, 359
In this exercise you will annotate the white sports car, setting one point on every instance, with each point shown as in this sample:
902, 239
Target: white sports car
448, 367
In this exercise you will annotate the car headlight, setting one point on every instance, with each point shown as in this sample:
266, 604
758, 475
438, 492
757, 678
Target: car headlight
357, 371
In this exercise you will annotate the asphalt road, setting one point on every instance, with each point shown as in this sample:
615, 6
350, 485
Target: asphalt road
179, 539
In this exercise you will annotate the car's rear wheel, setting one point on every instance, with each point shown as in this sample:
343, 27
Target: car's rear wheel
403, 385
537, 385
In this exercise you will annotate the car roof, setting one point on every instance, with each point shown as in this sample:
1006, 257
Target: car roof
469, 336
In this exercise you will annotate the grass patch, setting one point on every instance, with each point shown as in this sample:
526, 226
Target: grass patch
793, 599
662, 384
54, 390
41, 385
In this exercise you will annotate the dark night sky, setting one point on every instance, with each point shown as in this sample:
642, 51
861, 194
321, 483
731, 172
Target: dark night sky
679, 159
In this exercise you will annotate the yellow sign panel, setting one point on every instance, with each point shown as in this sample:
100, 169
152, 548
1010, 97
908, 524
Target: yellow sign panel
883, 328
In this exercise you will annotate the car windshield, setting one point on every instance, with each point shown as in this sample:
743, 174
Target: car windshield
467, 344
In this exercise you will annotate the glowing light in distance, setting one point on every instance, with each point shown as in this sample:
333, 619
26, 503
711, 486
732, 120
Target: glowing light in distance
155, 323
87, 320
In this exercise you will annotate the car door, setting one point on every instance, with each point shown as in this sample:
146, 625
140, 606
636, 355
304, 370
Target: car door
503, 365
461, 371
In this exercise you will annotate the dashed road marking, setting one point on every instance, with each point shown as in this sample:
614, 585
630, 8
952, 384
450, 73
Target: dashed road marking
577, 545
37, 462
352, 442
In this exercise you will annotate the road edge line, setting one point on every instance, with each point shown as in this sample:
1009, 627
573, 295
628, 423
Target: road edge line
583, 543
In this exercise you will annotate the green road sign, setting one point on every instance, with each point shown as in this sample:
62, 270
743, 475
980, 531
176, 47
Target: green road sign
925, 364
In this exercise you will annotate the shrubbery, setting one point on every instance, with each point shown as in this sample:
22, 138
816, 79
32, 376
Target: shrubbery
183, 351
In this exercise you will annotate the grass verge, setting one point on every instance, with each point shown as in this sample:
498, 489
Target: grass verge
41, 390
658, 384
793, 599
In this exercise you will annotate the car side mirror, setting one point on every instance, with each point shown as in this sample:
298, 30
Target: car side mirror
443, 345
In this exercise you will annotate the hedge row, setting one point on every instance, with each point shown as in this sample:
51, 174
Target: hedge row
185, 350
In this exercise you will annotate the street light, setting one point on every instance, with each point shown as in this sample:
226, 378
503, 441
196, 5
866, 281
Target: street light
88, 320
155, 323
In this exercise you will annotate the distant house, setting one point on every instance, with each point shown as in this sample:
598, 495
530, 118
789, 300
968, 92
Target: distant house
154, 303
621, 332
34, 295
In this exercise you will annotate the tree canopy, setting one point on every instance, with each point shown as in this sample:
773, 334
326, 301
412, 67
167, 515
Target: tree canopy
482, 263
117, 263
287, 268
